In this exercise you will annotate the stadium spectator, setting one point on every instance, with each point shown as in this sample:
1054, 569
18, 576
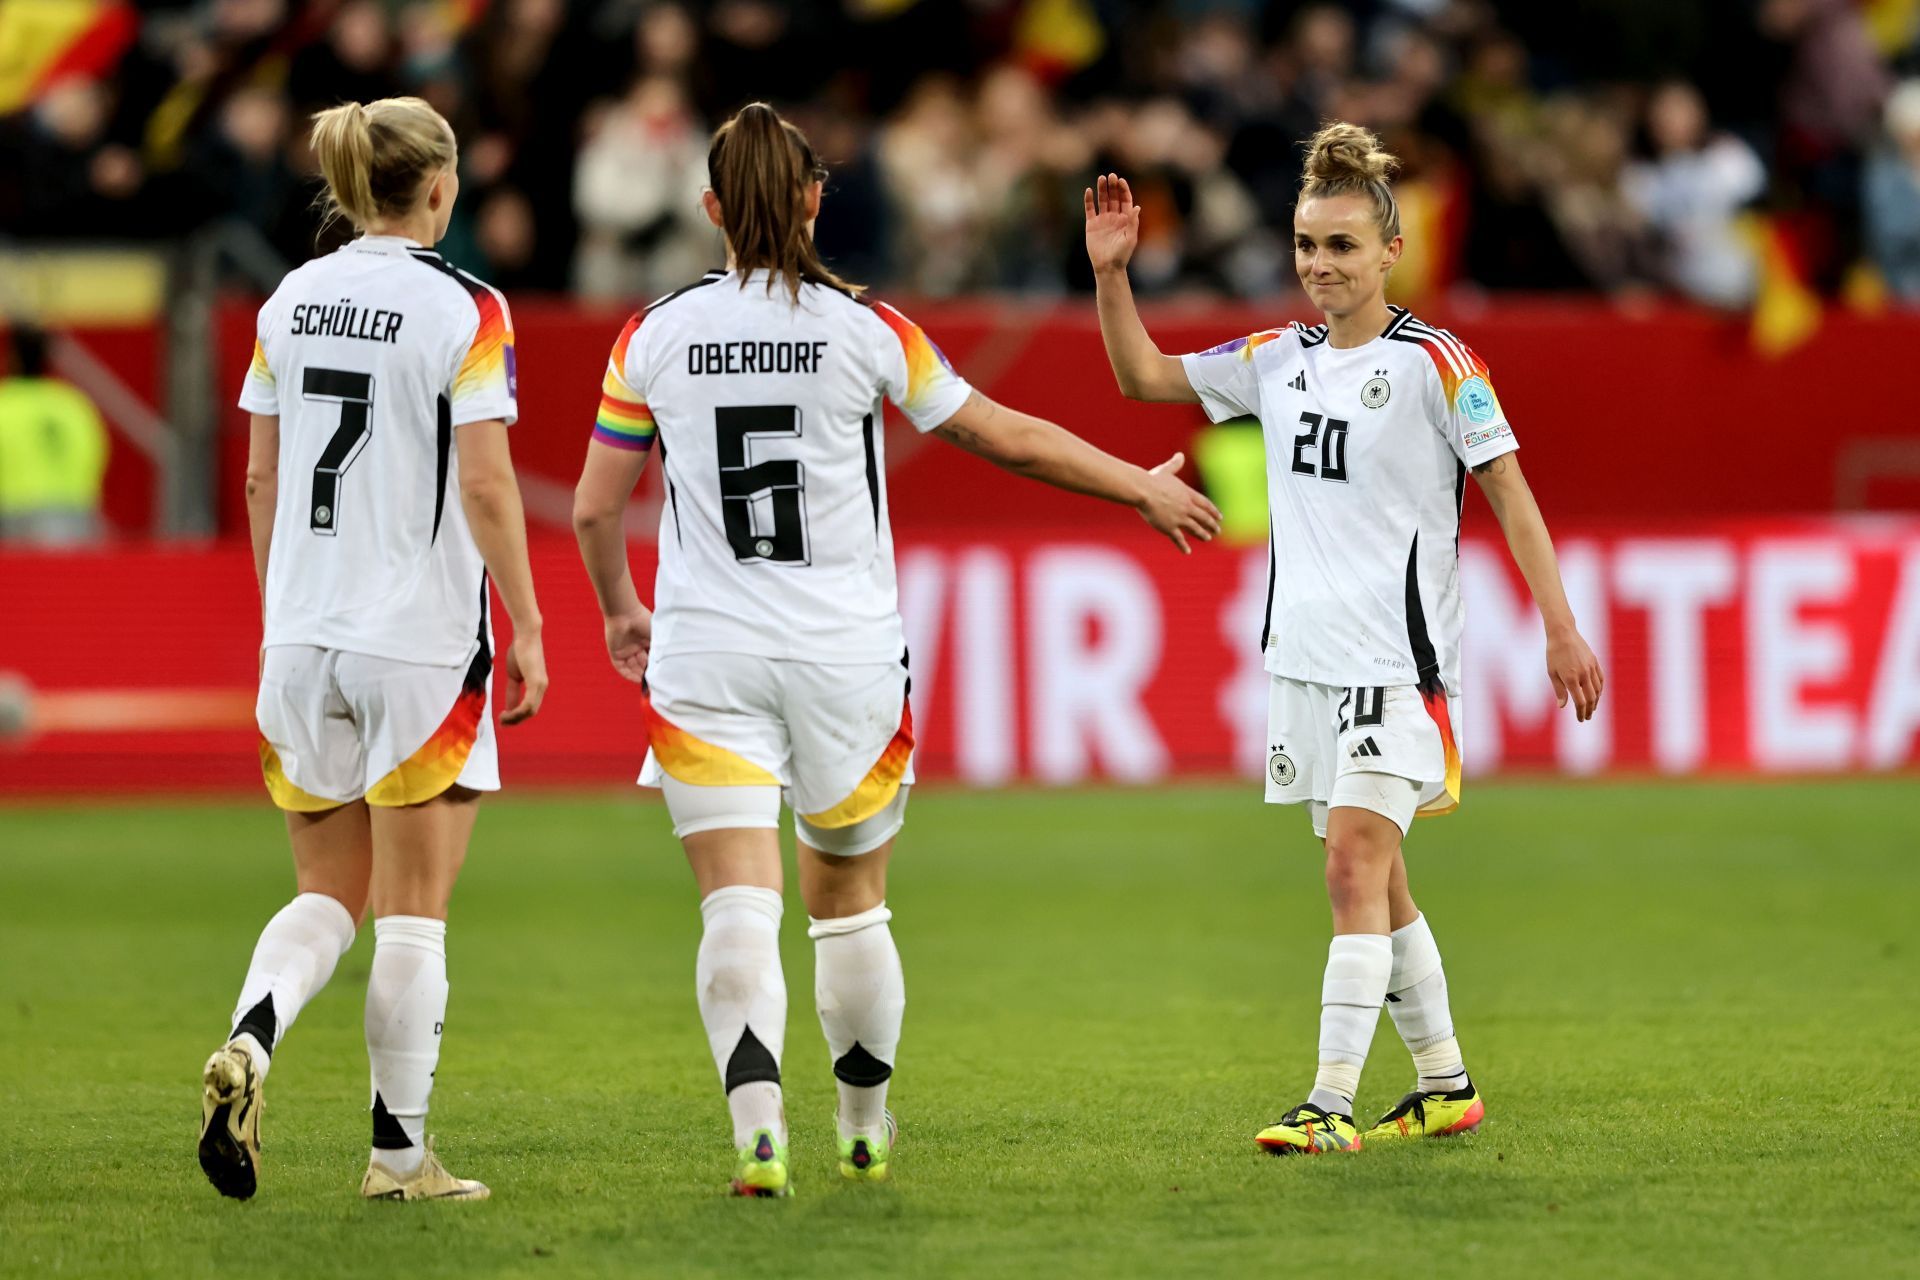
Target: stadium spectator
1692, 193
636, 192
958, 133
1893, 195
53, 452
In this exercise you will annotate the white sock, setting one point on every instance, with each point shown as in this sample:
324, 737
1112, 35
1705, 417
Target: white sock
743, 1002
406, 1008
862, 996
292, 961
1417, 999
1358, 966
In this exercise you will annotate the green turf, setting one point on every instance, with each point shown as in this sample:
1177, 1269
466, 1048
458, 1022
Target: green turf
1691, 1009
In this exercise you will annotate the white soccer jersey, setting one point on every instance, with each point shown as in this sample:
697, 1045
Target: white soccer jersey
1367, 457
774, 538
371, 357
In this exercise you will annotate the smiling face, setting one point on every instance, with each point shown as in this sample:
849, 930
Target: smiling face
1339, 254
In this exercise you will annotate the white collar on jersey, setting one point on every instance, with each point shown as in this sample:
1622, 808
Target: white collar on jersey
392, 246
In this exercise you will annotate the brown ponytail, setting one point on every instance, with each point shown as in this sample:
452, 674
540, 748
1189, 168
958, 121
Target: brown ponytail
760, 167
377, 157
1344, 159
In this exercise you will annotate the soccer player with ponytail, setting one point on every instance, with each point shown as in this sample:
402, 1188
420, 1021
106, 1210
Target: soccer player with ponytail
1372, 421
774, 662
381, 497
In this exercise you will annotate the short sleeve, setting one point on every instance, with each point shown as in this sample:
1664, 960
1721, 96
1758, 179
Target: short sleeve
1469, 414
260, 392
1224, 376
917, 376
624, 421
486, 383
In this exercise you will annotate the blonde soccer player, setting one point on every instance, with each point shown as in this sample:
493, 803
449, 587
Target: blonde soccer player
1372, 421
774, 661
382, 498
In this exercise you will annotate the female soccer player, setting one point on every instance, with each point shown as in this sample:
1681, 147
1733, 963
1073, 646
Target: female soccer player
381, 390
1372, 421
776, 660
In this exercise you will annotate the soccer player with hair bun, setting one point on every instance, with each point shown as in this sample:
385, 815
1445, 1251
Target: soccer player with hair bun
1372, 421
381, 497
774, 661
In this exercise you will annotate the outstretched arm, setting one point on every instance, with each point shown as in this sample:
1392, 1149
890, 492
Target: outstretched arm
599, 511
1143, 371
1038, 449
1570, 663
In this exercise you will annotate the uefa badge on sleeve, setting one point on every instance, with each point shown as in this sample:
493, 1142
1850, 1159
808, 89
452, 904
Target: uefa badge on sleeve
1376, 392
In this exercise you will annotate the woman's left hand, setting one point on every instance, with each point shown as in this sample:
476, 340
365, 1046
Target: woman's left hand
629, 636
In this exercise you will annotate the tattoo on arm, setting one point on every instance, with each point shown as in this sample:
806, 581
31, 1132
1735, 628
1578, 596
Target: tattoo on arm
1492, 466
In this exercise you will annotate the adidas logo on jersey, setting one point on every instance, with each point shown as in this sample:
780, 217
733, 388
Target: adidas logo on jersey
1364, 750
1299, 382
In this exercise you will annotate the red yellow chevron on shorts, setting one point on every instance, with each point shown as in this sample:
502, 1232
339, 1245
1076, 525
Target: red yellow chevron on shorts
437, 764
1448, 800
284, 794
882, 783
693, 761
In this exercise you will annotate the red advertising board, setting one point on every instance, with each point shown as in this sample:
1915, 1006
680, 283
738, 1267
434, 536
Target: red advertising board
1771, 646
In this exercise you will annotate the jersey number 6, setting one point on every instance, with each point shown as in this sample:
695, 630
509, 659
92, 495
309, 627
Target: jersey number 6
764, 503
354, 394
1333, 449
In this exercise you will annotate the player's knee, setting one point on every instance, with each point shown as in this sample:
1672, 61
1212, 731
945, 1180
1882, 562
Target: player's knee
1358, 866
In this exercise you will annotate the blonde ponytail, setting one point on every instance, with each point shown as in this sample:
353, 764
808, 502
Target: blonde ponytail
1345, 159
375, 158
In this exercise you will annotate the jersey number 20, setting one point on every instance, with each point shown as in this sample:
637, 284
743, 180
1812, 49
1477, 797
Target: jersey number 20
354, 394
778, 487
1333, 449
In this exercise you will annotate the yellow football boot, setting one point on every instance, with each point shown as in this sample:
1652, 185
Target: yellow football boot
761, 1168
230, 1121
1431, 1115
1307, 1130
430, 1181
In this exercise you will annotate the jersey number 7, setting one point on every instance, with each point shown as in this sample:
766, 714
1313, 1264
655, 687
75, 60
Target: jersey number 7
777, 487
354, 394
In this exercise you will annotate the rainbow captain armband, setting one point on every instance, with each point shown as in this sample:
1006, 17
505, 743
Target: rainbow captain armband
624, 424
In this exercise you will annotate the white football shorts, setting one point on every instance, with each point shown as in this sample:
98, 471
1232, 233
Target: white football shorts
835, 740
337, 727
1329, 747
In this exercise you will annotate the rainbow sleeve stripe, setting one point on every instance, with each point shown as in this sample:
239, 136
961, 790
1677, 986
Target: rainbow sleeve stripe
260, 369
489, 370
1244, 346
624, 421
928, 370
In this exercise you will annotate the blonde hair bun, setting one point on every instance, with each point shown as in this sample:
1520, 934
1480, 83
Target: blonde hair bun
1343, 152
1345, 159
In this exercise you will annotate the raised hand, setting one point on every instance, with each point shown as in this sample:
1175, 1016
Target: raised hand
1113, 223
1175, 508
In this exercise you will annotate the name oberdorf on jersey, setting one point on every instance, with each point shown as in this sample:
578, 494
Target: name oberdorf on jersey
767, 411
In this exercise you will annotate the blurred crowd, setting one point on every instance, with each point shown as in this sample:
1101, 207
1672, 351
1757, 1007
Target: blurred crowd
1622, 146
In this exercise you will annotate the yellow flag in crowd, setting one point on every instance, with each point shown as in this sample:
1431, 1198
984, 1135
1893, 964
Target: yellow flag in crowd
1786, 310
43, 40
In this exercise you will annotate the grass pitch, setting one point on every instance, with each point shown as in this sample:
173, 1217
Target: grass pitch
1691, 1010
